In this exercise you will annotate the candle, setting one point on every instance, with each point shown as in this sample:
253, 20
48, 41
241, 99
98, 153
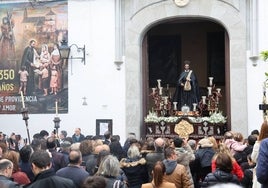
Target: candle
209, 90
56, 107
153, 90
22, 99
159, 83
167, 86
194, 107
204, 99
160, 90
218, 90
175, 105
210, 81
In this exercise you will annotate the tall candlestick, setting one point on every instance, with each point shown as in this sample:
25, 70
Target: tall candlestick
153, 90
175, 105
22, 99
204, 99
56, 107
209, 90
210, 81
159, 83
160, 90
194, 106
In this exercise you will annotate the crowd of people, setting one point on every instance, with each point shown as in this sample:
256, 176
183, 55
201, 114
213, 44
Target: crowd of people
80, 161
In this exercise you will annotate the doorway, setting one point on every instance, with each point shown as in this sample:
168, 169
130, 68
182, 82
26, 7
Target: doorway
167, 45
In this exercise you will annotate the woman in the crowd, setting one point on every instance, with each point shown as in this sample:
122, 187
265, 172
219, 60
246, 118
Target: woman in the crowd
222, 174
17, 175
134, 167
110, 169
158, 174
236, 169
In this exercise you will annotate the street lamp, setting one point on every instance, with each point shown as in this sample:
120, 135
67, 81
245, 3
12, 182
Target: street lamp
25, 117
56, 124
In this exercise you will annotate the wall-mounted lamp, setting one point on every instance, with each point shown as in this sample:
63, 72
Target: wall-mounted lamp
65, 51
118, 64
254, 60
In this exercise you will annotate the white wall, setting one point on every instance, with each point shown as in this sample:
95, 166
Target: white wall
91, 23
255, 75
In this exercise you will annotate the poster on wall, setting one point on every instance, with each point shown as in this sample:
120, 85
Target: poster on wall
32, 74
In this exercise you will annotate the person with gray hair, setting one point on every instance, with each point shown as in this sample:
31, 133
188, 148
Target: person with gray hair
109, 168
6, 168
134, 167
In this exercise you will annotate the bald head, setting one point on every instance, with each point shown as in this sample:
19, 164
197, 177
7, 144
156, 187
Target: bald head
75, 157
159, 144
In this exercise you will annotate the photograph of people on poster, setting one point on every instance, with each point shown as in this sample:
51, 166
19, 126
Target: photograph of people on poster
31, 69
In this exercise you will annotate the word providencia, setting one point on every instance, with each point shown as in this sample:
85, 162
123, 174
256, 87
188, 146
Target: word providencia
8, 103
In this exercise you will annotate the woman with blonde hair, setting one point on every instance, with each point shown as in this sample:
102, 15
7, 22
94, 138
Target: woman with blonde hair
158, 174
17, 175
237, 170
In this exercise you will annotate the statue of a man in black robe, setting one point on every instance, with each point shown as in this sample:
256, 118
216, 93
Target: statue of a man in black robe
183, 97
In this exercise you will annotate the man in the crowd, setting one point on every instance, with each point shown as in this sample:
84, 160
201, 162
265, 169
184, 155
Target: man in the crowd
44, 175
6, 169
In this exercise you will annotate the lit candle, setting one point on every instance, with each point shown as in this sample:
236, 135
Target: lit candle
210, 81
22, 99
204, 99
56, 107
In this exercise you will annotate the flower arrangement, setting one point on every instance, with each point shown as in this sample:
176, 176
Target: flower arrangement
264, 55
215, 117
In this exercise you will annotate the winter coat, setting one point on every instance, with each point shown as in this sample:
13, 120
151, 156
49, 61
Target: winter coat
177, 174
135, 170
48, 179
219, 176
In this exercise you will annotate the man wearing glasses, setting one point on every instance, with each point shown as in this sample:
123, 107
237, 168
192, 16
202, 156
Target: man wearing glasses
6, 168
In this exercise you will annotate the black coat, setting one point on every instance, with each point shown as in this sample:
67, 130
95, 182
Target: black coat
48, 179
218, 177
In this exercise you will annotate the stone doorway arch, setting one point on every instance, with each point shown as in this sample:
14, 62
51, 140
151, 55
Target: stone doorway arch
141, 18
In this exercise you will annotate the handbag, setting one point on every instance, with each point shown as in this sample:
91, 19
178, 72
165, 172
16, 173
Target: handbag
187, 84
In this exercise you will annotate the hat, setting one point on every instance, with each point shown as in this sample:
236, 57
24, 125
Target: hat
205, 143
65, 144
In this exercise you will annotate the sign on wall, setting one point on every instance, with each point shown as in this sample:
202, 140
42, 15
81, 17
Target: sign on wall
30, 65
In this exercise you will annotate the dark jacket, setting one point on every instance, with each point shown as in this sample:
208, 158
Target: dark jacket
135, 170
203, 158
58, 160
262, 164
111, 182
6, 182
218, 177
151, 159
80, 139
48, 179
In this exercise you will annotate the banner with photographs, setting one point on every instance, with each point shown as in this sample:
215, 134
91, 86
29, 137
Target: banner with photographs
32, 74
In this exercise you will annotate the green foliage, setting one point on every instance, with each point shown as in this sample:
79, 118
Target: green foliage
264, 55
